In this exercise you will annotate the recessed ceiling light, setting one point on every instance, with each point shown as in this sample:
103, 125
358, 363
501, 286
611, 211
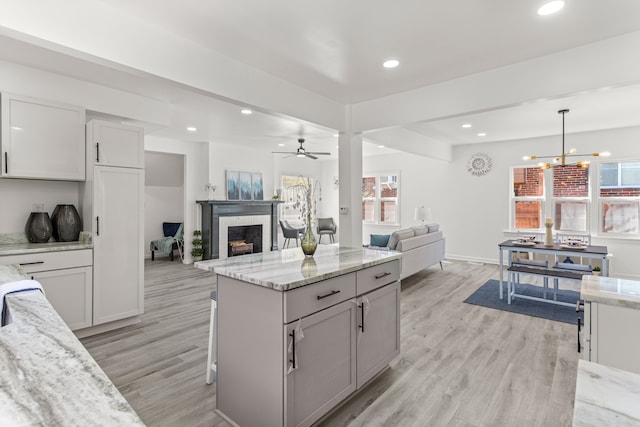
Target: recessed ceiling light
280, 145
391, 63
380, 146
466, 125
246, 111
482, 134
192, 129
336, 135
551, 7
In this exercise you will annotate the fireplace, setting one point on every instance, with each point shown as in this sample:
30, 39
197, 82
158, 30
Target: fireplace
244, 239
220, 215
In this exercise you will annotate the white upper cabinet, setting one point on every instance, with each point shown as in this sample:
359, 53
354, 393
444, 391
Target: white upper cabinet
42, 139
114, 144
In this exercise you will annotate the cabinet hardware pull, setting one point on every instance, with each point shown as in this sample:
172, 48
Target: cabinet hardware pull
579, 335
361, 306
380, 276
293, 348
6, 162
97, 226
32, 263
97, 152
328, 295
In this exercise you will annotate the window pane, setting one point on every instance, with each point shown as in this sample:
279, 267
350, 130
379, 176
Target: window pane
369, 186
388, 212
571, 216
528, 214
608, 174
368, 210
570, 181
630, 174
620, 217
389, 186
528, 182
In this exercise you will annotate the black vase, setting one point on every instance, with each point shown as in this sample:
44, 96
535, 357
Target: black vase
66, 223
39, 227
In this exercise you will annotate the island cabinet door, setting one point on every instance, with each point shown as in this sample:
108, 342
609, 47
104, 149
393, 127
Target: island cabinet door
378, 326
320, 369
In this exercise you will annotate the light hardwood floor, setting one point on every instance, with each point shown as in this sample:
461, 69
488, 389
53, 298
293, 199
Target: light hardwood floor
460, 364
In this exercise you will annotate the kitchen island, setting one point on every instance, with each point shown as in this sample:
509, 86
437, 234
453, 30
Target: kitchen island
296, 336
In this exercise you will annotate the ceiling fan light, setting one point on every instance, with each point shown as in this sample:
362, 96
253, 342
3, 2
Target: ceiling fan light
300, 155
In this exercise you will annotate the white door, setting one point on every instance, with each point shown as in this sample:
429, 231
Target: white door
378, 330
42, 140
70, 292
114, 144
118, 252
324, 370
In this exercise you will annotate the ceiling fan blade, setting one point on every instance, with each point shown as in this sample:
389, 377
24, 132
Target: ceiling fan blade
319, 154
283, 152
310, 156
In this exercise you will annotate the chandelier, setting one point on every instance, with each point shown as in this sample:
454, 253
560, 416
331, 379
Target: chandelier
561, 160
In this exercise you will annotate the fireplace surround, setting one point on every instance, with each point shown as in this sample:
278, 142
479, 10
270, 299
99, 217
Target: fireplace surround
214, 210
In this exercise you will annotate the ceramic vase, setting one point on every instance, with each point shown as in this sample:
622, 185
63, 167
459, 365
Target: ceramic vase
66, 223
548, 236
39, 227
309, 242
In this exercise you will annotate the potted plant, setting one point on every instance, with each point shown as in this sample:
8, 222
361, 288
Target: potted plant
196, 250
595, 271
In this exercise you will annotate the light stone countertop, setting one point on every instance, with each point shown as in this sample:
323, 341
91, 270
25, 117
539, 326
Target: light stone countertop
288, 268
48, 378
612, 291
606, 396
30, 248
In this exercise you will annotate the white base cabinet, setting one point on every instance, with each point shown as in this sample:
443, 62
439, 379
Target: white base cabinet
66, 278
611, 336
287, 358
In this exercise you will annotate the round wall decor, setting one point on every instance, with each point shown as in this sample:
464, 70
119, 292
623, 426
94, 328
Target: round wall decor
479, 164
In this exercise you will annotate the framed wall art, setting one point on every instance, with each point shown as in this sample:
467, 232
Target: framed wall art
233, 185
256, 186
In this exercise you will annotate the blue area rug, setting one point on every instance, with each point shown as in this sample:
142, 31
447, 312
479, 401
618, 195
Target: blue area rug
487, 296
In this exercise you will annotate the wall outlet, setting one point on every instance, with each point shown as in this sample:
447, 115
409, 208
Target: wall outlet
344, 211
38, 207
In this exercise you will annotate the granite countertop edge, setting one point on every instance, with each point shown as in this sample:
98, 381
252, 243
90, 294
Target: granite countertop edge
256, 267
30, 248
611, 291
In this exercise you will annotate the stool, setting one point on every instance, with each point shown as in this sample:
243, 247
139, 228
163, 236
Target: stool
213, 344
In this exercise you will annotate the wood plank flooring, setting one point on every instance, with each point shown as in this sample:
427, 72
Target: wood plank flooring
460, 364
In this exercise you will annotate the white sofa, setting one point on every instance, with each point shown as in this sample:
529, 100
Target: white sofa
421, 247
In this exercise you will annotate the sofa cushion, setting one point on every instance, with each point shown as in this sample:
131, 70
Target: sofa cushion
417, 241
379, 240
433, 227
398, 235
420, 230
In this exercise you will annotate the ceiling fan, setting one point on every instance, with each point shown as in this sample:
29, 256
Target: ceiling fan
301, 152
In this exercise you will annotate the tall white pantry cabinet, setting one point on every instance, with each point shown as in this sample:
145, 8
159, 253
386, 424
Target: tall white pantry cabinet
112, 209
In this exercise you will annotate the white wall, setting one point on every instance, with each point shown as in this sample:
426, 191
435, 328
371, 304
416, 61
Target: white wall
196, 168
17, 197
474, 211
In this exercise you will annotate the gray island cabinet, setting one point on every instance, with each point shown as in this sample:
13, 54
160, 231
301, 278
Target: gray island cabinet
297, 336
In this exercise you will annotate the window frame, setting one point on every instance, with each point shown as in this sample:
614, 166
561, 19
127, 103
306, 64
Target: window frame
377, 199
513, 199
600, 201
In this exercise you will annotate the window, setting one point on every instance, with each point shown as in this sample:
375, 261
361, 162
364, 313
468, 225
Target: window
620, 197
527, 198
571, 198
564, 197
380, 199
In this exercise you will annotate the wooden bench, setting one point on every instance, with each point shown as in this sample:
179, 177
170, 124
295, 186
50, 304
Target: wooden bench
555, 272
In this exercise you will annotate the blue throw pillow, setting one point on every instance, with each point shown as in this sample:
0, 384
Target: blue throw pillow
379, 240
